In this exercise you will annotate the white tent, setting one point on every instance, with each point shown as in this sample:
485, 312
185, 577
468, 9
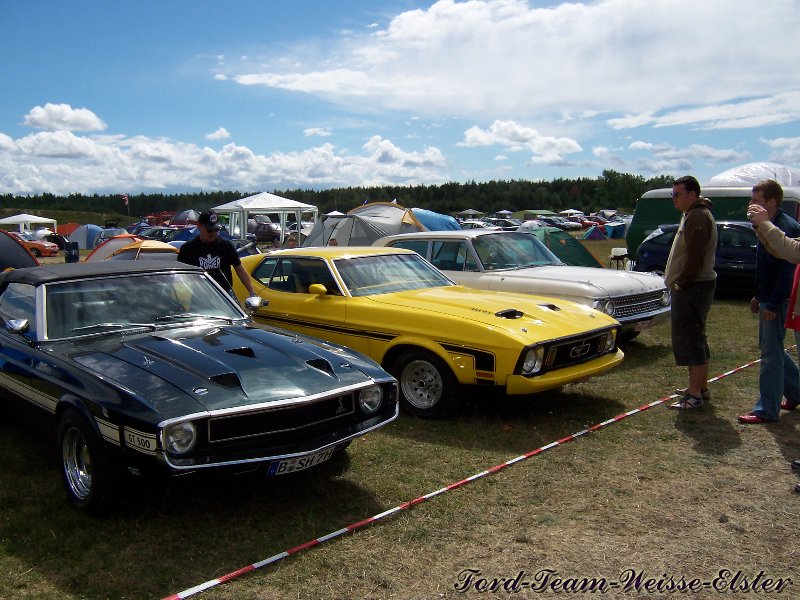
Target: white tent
364, 224
264, 204
751, 173
24, 221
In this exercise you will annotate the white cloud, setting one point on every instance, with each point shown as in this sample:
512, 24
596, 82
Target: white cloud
61, 163
758, 112
317, 131
786, 150
55, 117
219, 134
516, 137
573, 59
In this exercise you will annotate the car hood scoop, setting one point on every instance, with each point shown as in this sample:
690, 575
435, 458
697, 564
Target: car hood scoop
509, 313
221, 368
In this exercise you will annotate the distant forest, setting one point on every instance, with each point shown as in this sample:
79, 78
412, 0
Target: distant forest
611, 190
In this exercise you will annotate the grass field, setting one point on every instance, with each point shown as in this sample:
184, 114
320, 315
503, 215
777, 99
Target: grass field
659, 494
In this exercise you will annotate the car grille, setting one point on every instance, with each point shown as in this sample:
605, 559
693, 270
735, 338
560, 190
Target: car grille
279, 420
637, 304
564, 353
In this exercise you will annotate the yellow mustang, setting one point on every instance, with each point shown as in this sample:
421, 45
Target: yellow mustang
431, 334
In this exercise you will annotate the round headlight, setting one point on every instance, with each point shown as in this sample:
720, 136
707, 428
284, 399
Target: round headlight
666, 298
180, 437
604, 306
370, 399
533, 361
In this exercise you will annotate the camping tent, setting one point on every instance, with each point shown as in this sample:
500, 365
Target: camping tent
185, 217
470, 212
111, 245
596, 232
435, 221
615, 229
13, 255
85, 235
566, 247
752, 173
264, 204
526, 215
145, 249
364, 224
24, 221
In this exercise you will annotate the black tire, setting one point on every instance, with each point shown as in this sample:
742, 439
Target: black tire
86, 467
627, 336
36, 252
427, 386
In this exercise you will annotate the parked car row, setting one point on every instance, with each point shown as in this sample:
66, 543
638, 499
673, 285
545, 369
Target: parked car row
734, 260
150, 367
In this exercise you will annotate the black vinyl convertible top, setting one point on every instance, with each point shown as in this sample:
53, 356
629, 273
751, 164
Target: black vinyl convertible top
100, 268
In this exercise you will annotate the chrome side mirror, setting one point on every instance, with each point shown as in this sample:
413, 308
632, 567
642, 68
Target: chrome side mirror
253, 303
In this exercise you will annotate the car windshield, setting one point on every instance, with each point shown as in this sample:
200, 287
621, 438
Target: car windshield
512, 251
387, 273
101, 305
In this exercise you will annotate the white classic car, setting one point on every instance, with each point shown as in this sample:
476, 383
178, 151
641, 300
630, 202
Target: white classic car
519, 262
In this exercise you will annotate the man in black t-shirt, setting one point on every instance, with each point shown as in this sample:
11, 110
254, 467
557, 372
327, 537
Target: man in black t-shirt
215, 254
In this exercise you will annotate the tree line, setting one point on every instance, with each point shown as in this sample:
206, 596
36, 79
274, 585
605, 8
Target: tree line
611, 190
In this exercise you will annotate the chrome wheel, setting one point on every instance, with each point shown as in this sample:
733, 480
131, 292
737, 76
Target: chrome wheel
77, 464
427, 385
421, 384
87, 469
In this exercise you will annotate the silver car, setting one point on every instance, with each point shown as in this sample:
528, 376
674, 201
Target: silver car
519, 262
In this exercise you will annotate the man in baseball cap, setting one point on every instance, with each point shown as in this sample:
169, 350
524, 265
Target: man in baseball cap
215, 254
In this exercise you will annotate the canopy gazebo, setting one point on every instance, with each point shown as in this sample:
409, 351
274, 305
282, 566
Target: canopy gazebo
24, 221
264, 204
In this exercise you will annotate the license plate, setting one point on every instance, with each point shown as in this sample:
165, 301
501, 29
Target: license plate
642, 325
299, 463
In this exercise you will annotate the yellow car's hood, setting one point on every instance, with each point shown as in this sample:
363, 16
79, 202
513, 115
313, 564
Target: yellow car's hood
499, 309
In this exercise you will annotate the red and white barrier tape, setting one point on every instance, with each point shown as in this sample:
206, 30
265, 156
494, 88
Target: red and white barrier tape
406, 505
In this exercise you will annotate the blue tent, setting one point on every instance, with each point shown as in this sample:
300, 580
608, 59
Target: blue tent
86, 236
596, 232
615, 229
434, 221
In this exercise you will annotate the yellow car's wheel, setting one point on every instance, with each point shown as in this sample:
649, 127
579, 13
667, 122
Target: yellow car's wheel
427, 386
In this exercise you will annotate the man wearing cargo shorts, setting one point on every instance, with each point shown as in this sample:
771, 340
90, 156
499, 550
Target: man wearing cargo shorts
691, 278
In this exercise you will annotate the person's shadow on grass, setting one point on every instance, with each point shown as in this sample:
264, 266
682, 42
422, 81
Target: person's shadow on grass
711, 433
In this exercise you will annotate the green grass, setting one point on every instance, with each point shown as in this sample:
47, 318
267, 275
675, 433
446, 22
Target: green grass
684, 494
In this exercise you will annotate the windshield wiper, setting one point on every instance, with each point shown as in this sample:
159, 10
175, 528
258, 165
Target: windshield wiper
102, 326
187, 315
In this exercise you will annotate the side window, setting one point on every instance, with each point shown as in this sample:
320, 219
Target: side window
730, 237
418, 246
452, 256
18, 301
295, 275
665, 239
263, 272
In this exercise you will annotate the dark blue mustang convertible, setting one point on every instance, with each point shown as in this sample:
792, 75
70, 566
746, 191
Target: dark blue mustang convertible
144, 366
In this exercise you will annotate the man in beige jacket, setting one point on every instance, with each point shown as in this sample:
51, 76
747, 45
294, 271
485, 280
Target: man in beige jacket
691, 278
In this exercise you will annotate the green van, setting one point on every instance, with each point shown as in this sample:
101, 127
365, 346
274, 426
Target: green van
655, 208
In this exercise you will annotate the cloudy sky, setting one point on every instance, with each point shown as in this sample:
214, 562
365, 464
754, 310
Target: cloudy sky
257, 95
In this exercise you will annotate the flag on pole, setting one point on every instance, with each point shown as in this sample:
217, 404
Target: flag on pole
125, 199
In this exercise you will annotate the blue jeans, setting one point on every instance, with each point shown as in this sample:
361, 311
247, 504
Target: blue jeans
779, 375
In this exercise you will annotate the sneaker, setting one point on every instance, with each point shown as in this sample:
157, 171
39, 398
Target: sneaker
687, 402
705, 393
786, 405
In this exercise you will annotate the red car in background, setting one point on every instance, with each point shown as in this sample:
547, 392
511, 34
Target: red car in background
36, 247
